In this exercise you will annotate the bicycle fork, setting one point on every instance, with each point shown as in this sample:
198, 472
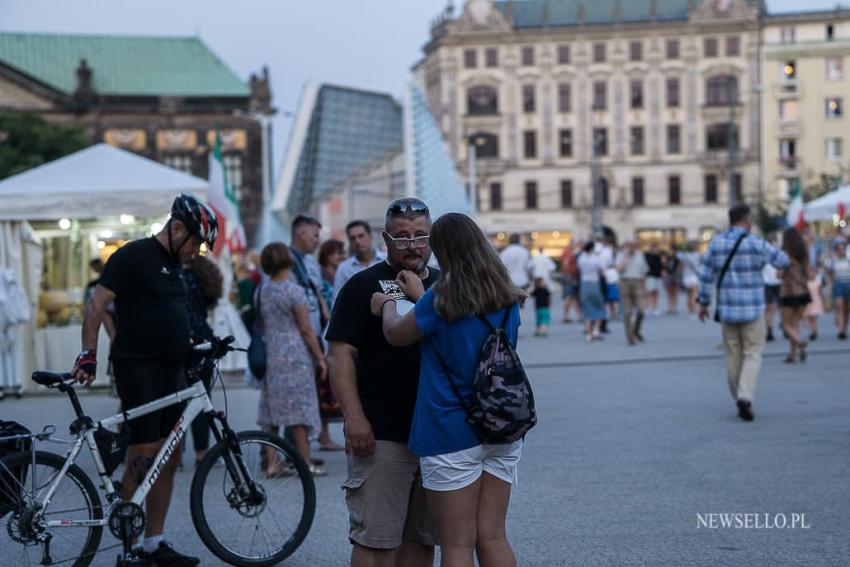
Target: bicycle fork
233, 461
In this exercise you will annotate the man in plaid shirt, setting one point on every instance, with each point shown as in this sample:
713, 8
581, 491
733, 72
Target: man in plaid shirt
740, 301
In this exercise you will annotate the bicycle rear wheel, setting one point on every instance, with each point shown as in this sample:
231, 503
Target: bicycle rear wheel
257, 528
23, 486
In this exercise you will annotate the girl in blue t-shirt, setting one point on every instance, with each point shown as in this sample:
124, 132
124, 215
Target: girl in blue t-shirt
468, 483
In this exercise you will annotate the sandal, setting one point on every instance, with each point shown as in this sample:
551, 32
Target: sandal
317, 471
790, 359
284, 471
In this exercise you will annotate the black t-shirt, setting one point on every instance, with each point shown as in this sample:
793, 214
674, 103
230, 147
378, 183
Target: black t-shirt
653, 261
387, 376
152, 319
542, 297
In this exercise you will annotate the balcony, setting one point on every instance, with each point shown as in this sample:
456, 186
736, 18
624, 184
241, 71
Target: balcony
787, 88
788, 165
789, 128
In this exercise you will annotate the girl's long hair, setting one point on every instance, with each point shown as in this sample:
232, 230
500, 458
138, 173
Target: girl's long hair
794, 245
212, 282
474, 280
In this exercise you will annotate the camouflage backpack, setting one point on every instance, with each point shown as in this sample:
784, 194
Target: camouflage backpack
501, 409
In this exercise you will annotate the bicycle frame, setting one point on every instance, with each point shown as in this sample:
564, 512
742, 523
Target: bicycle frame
199, 403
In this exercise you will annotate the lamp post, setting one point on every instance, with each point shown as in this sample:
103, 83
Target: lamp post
596, 193
472, 169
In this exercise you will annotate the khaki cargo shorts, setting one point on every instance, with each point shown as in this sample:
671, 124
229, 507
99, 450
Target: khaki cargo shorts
386, 502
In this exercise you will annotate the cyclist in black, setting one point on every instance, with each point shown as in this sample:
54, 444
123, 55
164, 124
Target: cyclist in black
151, 344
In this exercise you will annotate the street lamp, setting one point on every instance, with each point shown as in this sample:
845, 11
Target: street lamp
472, 169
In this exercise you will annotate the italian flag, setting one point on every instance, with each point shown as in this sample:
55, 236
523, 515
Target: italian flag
222, 198
796, 216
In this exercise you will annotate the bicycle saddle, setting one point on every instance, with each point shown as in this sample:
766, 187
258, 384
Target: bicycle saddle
50, 379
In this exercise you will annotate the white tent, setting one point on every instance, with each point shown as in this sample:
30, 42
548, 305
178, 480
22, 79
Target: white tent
826, 207
95, 182
99, 181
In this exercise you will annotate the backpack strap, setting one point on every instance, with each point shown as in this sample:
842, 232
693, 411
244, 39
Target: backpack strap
505, 318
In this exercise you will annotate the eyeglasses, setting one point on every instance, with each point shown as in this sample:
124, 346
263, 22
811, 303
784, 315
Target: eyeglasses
405, 243
407, 205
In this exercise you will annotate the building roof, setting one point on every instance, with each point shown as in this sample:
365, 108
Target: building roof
344, 131
556, 13
122, 65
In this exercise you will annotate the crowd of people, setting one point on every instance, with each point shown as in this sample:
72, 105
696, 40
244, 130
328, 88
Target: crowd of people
389, 343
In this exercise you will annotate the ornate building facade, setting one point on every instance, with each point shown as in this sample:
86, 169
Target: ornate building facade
806, 90
656, 100
161, 97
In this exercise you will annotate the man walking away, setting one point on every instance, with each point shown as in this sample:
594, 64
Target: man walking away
632, 266
733, 263
515, 257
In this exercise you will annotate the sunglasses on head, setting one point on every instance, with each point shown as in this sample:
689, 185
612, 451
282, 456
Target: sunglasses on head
401, 206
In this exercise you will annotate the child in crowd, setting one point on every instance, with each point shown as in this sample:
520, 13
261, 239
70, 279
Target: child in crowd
542, 300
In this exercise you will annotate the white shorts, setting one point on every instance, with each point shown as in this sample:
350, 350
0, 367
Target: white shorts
653, 284
453, 471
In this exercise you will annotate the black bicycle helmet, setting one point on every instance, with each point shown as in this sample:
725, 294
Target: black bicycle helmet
198, 218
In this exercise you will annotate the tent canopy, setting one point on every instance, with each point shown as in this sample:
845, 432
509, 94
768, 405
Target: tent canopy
95, 182
826, 207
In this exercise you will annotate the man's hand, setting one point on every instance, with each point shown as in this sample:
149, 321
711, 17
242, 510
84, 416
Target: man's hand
322, 369
85, 367
359, 437
377, 305
703, 313
410, 284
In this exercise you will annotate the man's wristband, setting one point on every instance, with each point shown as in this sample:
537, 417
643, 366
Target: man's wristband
385, 302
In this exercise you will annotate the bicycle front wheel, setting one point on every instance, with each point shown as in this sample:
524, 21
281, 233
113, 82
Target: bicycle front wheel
256, 526
22, 490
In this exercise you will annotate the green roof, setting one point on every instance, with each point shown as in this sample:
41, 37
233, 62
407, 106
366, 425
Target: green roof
122, 65
537, 13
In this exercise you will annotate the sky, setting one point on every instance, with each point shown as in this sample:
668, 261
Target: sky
369, 44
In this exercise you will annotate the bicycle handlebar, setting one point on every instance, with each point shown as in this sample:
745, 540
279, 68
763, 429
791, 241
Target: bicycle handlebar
218, 347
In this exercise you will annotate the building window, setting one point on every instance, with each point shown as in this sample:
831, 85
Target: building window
528, 102
637, 191
599, 53
470, 58
672, 49
600, 95
733, 46
674, 189
672, 92
530, 144
635, 51
600, 141
710, 47
528, 56
674, 139
833, 149
233, 171
787, 35
491, 57
834, 68
788, 153
788, 110
834, 107
495, 196
530, 194
482, 101
486, 144
603, 191
789, 71
721, 90
636, 93
566, 142
566, 193
717, 136
563, 54
830, 32
565, 98
711, 188
636, 140
180, 162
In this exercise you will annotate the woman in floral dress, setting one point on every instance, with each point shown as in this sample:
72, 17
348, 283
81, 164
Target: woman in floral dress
294, 358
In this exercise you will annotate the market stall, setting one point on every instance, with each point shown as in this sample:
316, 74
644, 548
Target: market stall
834, 206
73, 211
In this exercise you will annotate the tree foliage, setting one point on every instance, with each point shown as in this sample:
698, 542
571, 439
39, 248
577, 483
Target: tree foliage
27, 141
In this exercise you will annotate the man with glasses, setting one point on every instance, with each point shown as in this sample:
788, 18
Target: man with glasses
376, 386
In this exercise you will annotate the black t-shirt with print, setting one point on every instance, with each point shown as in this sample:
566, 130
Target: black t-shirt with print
150, 303
387, 376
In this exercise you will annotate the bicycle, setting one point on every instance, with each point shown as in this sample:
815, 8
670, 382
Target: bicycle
54, 514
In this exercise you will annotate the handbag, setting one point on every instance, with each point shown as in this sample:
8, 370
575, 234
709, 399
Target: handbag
257, 347
723, 271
